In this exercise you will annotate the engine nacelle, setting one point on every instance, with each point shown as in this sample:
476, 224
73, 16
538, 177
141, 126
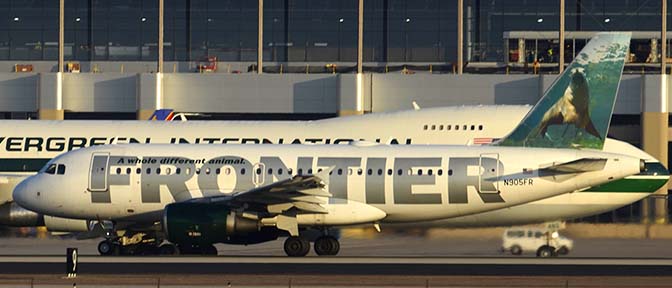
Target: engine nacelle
58, 224
11, 214
207, 223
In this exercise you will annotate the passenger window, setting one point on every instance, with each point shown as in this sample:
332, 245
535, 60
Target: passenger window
242, 171
350, 171
450, 172
128, 171
399, 172
529, 234
149, 171
440, 127
207, 171
359, 171
369, 172
538, 234
300, 171
258, 171
473, 127
270, 171
167, 171
425, 127
310, 171
440, 172
61, 169
429, 172
289, 171
218, 171
380, 172
419, 171
389, 171
158, 171
188, 171
198, 171
138, 171
178, 170
118, 171
480, 127
464, 127
280, 171
340, 171
433, 127
457, 127
448, 127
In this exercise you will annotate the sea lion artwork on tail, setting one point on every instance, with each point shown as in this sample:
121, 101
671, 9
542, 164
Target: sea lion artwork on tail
572, 107
576, 109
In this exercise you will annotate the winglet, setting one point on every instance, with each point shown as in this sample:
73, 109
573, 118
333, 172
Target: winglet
416, 107
576, 110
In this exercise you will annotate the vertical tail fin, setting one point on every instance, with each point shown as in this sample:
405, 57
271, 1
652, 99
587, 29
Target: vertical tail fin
576, 110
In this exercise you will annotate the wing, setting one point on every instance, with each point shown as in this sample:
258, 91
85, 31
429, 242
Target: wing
303, 192
279, 203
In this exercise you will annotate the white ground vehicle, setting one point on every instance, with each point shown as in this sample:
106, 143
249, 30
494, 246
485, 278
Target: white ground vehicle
545, 242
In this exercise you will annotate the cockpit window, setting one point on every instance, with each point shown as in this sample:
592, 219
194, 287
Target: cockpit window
61, 169
51, 169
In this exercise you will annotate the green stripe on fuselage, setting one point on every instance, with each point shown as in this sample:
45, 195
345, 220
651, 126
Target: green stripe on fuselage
630, 185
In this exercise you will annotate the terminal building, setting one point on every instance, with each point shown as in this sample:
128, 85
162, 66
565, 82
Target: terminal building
111, 63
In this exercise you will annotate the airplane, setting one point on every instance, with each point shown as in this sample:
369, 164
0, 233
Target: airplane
26, 146
263, 203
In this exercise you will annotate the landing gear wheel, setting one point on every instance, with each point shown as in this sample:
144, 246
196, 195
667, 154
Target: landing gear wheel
327, 245
516, 250
546, 251
168, 249
563, 250
108, 248
209, 250
296, 246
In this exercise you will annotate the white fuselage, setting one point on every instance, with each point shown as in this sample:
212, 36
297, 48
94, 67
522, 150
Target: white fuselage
407, 182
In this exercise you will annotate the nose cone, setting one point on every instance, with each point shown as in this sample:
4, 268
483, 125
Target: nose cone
25, 197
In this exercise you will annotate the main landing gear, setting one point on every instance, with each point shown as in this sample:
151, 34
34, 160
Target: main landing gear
324, 246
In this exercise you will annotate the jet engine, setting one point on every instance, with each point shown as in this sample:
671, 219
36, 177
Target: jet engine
208, 223
11, 214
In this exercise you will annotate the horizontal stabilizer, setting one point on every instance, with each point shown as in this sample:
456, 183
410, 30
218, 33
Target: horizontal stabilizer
577, 166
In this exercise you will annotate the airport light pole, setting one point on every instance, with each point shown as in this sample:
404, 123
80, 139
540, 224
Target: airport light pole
561, 40
260, 37
661, 202
663, 38
160, 44
61, 32
360, 37
460, 36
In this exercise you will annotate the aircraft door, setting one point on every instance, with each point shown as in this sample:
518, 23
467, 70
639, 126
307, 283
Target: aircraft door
488, 179
98, 173
258, 176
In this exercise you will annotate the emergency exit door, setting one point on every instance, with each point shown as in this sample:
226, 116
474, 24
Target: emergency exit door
98, 173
